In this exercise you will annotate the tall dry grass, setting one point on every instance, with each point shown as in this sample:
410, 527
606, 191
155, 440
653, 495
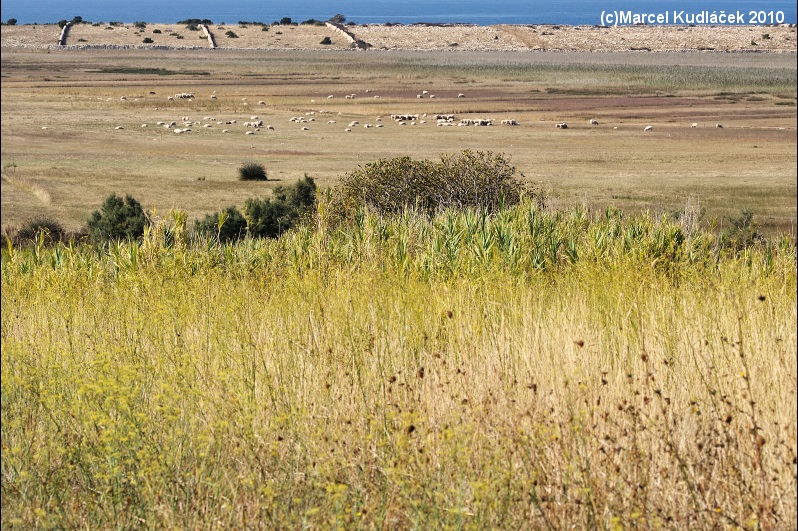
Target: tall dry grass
532, 369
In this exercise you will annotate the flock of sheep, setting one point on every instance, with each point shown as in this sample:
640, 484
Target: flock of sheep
255, 124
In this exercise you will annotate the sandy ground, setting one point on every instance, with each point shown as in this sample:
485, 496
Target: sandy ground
418, 37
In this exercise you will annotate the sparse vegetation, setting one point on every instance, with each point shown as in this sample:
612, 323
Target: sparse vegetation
231, 34
326, 41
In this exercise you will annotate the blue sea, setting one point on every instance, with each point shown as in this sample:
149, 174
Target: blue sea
480, 12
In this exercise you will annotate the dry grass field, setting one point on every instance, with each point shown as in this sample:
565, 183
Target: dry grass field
73, 119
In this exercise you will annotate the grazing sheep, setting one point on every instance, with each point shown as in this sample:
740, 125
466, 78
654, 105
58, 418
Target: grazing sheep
225, 131
330, 97
270, 127
118, 127
509, 122
348, 130
213, 96
695, 124
719, 126
648, 128
461, 95
593, 122
143, 125
261, 103
250, 133
562, 125
305, 129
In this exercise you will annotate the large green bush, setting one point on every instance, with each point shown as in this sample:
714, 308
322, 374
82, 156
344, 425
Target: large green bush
479, 180
118, 219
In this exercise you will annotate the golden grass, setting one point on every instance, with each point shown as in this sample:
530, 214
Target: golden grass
403, 373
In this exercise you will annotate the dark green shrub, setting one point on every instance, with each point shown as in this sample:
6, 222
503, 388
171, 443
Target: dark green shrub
140, 25
118, 219
227, 225
62, 23
12, 22
252, 171
338, 19
470, 180
156, 31
286, 21
231, 34
271, 217
326, 40
147, 40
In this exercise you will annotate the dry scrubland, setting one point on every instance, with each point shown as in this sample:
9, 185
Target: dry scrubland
594, 363
418, 37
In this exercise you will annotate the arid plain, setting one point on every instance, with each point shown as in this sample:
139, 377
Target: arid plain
82, 121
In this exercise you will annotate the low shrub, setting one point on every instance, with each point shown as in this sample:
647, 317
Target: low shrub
252, 171
42, 229
326, 41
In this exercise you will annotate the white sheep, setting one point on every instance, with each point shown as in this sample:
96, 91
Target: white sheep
694, 125
593, 122
719, 126
648, 128
461, 95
